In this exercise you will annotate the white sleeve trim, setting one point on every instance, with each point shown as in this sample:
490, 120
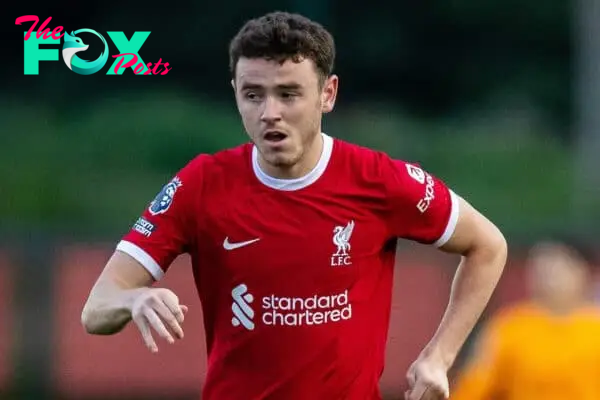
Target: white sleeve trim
142, 257
452, 221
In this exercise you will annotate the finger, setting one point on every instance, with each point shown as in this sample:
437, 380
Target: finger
446, 392
144, 329
175, 309
158, 325
438, 389
432, 393
410, 395
446, 388
411, 377
417, 392
429, 394
167, 316
184, 309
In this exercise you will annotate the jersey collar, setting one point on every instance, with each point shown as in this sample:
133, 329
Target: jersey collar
296, 183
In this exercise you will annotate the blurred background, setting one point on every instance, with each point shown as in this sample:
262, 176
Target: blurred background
499, 98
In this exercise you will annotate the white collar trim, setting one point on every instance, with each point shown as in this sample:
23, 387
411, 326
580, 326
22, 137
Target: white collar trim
296, 183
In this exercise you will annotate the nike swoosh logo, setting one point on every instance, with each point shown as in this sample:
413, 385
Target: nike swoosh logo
227, 245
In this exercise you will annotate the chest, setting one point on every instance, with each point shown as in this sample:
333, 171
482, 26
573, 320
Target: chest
321, 238
556, 347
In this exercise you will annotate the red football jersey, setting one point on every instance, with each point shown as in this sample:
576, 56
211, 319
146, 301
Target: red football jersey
294, 276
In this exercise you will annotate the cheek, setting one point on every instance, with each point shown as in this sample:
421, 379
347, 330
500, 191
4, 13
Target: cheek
248, 112
305, 113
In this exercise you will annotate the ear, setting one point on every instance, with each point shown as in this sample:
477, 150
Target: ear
329, 93
237, 103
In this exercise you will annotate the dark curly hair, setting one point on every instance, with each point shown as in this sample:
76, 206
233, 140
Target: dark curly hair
283, 36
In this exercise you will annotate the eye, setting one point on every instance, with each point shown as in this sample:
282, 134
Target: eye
289, 95
252, 96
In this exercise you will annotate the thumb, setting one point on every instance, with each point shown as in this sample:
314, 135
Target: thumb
446, 392
183, 308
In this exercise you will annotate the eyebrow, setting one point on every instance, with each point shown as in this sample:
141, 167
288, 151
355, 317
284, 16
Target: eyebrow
284, 86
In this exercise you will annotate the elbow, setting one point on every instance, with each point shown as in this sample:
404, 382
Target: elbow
500, 247
103, 313
492, 249
92, 322
87, 320
98, 320
489, 247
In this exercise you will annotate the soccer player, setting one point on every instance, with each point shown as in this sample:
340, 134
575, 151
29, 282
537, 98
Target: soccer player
546, 347
292, 238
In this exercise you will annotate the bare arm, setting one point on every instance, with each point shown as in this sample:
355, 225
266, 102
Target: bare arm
108, 307
122, 293
484, 251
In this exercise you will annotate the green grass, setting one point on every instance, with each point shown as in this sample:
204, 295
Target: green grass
95, 169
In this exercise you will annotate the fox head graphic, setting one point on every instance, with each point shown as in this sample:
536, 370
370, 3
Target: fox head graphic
73, 44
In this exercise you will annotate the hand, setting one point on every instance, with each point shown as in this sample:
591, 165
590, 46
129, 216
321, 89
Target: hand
427, 380
154, 307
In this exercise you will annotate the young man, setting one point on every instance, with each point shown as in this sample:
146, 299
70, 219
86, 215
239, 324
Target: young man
292, 239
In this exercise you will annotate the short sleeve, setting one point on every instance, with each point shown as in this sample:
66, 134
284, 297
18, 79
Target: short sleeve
421, 207
165, 229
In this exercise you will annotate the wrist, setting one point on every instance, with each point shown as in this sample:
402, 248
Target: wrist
130, 296
438, 355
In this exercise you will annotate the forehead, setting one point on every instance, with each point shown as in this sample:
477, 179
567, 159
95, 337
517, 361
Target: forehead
550, 261
271, 72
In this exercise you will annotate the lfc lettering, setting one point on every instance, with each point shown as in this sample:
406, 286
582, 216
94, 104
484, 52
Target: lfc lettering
340, 260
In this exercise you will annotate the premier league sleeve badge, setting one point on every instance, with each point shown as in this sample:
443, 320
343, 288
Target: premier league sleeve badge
163, 200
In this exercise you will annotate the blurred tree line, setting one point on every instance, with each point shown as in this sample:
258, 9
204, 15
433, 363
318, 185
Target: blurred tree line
433, 58
479, 92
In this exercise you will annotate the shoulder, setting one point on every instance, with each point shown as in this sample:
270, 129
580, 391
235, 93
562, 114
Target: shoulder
206, 170
359, 154
502, 328
223, 158
370, 163
397, 178
590, 313
204, 165
514, 316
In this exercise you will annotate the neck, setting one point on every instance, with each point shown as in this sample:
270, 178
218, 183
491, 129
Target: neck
305, 164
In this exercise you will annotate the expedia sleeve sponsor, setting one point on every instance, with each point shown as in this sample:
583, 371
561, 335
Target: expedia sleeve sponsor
420, 206
428, 196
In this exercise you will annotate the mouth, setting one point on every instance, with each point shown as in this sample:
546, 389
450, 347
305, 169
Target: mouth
275, 136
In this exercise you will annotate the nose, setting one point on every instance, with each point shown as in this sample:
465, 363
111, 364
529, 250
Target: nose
271, 111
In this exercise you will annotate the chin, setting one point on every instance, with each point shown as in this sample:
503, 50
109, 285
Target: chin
281, 160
